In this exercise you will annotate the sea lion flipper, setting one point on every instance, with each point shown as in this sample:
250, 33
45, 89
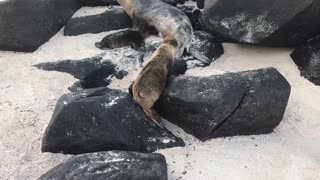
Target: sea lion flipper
154, 116
196, 54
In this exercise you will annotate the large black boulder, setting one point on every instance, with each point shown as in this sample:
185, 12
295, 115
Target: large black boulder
307, 57
92, 72
97, 71
243, 103
114, 2
103, 119
113, 18
112, 165
205, 47
98, 2
264, 22
27, 24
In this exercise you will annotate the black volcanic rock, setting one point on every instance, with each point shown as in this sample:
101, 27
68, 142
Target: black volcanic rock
273, 23
98, 2
179, 68
97, 71
112, 165
200, 4
171, 2
180, 1
92, 72
103, 119
194, 16
205, 47
26, 25
114, 2
243, 103
307, 57
113, 18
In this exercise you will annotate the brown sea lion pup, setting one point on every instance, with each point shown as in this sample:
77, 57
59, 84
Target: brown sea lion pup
151, 81
127, 37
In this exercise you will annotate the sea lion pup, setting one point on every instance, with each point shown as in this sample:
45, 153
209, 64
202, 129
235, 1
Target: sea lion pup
133, 37
151, 81
167, 19
127, 37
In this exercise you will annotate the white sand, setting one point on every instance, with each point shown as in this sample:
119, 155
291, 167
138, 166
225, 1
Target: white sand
28, 97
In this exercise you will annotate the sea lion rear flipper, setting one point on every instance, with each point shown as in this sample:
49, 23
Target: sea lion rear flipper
154, 116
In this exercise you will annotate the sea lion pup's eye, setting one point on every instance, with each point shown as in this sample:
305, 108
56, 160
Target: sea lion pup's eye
171, 40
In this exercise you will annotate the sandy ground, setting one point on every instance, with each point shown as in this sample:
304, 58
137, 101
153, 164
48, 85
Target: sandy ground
28, 97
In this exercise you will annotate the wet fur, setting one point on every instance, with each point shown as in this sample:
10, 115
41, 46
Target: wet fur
151, 81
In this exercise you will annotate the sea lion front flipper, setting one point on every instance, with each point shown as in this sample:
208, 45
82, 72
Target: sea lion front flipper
198, 55
154, 116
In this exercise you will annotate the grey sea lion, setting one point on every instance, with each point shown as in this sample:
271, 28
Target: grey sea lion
151, 81
166, 19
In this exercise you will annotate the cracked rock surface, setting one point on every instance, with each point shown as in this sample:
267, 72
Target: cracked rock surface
307, 57
264, 22
103, 119
243, 103
112, 165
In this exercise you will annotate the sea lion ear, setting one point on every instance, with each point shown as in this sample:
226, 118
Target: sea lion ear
141, 95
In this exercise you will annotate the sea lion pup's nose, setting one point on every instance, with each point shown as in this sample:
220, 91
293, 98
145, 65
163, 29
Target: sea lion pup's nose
97, 44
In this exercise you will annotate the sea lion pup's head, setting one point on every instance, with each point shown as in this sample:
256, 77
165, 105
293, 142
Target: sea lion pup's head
105, 43
171, 42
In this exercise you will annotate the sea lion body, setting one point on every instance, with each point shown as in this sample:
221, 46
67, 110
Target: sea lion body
167, 19
151, 81
127, 37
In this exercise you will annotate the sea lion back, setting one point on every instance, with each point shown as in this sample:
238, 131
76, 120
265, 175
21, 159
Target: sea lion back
151, 81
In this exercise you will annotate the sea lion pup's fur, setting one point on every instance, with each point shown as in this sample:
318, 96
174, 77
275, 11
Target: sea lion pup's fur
151, 81
127, 37
166, 19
